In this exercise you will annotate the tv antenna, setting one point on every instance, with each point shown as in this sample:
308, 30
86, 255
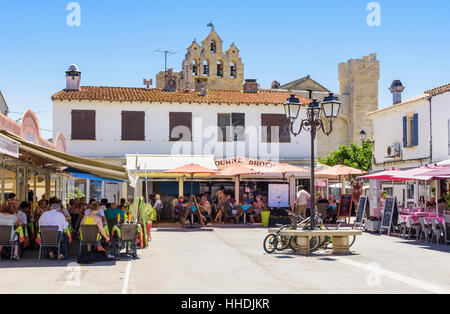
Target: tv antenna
166, 53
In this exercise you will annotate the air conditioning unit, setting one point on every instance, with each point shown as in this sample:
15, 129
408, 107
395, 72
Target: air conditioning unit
393, 150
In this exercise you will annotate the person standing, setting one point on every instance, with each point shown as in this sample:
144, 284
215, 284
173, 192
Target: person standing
301, 202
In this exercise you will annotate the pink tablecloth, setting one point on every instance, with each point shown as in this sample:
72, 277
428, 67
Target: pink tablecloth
402, 218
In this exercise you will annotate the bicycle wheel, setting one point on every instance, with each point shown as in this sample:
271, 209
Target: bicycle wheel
270, 243
283, 241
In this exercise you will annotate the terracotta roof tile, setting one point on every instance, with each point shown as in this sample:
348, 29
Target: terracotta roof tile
125, 94
439, 90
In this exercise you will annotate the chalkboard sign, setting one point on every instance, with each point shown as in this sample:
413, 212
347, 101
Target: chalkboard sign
345, 205
390, 212
361, 209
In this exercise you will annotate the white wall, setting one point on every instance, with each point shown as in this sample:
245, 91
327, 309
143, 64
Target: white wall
440, 117
388, 130
109, 126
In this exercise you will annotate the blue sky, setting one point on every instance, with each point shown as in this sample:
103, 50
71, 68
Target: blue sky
279, 40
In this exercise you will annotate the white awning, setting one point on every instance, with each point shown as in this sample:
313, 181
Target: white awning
444, 163
160, 163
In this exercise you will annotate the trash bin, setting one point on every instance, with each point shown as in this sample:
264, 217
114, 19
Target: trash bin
265, 215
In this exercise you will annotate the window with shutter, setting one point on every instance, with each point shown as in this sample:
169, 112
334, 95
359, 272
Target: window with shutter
415, 128
180, 126
83, 124
238, 124
405, 132
270, 121
133, 126
231, 127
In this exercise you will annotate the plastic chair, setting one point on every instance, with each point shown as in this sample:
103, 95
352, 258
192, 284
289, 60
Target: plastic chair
426, 229
89, 235
49, 238
5, 238
129, 234
437, 230
412, 225
447, 228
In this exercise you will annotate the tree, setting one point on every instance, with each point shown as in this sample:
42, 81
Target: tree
359, 157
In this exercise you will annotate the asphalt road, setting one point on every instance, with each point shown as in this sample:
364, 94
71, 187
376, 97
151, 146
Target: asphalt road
225, 260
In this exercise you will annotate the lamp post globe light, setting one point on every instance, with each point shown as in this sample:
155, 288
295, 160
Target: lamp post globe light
316, 115
363, 135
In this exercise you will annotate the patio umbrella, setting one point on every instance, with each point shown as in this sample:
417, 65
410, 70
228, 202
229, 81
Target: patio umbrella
191, 169
236, 170
440, 173
339, 171
387, 175
416, 174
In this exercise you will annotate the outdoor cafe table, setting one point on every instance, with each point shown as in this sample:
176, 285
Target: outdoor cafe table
402, 218
245, 208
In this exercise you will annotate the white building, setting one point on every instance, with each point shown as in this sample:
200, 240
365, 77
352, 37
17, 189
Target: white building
413, 133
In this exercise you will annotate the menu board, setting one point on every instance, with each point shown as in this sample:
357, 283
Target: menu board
278, 195
345, 205
390, 213
363, 200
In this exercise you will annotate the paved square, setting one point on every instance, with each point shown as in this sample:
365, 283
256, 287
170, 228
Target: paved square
232, 260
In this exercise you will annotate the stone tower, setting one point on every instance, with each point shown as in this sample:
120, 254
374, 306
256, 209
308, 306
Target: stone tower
208, 65
358, 80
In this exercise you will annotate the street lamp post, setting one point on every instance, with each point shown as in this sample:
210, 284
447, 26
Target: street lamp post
313, 123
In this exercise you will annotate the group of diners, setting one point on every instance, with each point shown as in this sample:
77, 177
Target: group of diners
219, 209
53, 213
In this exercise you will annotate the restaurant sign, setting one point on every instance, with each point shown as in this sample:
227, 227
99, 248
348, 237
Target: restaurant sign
9, 147
224, 163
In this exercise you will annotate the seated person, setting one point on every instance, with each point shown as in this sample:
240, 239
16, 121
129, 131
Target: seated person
182, 210
204, 207
100, 211
112, 212
442, 207
8, 218
431, 204
228, 205
321, 200
92, 218
54, 217
258, 206
245, 200
22, 211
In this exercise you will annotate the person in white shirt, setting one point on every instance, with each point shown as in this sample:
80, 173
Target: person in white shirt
54, 217
301, 202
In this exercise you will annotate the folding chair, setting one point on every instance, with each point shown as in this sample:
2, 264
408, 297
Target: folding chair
89, 235
5, 238
49, 238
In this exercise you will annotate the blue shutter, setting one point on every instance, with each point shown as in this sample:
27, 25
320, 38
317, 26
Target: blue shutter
405, 132
416, 130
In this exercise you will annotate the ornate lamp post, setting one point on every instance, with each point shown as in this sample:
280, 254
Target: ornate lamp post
313, 123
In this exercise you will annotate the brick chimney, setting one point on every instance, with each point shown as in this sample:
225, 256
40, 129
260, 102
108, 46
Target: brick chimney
397, 89
251, 86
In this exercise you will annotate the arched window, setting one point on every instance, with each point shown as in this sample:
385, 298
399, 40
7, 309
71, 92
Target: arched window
219, 69
213, 46
205, 68
233, 73
194, 68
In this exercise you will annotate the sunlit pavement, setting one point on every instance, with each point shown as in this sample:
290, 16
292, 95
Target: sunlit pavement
232, 260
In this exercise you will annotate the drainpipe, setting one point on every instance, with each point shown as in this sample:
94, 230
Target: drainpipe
431, 132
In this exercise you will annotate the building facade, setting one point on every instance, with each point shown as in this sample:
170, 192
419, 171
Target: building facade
410, 134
